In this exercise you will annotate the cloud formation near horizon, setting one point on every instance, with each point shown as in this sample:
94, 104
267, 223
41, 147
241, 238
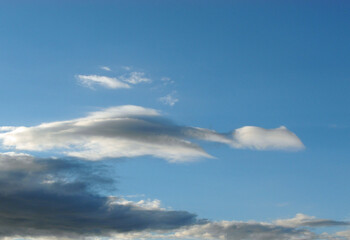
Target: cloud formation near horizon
132, 131
54, 197
57, 199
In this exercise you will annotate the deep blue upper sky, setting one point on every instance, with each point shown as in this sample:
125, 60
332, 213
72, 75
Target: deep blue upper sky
233, 63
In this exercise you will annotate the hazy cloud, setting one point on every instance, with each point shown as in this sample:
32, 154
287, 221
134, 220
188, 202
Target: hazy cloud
130, 131
105, 68
169, 99
167, 80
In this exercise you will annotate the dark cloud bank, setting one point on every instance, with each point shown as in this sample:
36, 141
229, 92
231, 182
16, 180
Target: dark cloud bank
56, 197
64, 198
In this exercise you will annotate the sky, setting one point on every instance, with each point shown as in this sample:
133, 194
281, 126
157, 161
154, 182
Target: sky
174, 120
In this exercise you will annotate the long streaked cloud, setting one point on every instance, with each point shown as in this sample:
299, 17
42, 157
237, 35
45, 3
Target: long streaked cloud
131, 131
107, 82
57, 199
122, 81
301, 220
239, 230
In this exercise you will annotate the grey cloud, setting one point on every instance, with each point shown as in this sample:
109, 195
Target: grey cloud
55, 197
63, 199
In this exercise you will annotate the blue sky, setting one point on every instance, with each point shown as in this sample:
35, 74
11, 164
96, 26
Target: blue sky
227, 64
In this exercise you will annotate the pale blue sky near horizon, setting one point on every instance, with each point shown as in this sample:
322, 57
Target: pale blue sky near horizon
233, 63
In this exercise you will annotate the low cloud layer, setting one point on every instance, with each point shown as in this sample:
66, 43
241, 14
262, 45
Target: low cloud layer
55, 197
61, 199
132, 131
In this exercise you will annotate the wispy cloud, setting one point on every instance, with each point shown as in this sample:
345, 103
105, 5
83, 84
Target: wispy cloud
131, 131
169, 99
105, 68
167, 80
136, 78
107, 82
127, 68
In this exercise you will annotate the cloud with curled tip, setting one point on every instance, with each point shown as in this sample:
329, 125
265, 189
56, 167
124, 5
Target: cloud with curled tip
132, 131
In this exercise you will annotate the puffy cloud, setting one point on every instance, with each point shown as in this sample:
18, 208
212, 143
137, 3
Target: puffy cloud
6, 128
261, 139
107, 82
131, 131
56, 198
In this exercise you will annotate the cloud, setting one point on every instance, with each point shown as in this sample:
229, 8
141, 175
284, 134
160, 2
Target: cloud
107, 82
62, 199
136, 78
239, 230
55, 198
309, 221
105, 68
167, 80
132, 131
265, 139
242, 231
169, 99
7, 128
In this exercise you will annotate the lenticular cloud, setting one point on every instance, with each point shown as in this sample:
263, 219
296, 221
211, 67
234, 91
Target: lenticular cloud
131, 131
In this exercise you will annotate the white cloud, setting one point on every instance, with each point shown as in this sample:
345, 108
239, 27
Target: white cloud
131, 131
107, 82
105, 68
7, 128
142, 204
266, 139
169, 99
136, 78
